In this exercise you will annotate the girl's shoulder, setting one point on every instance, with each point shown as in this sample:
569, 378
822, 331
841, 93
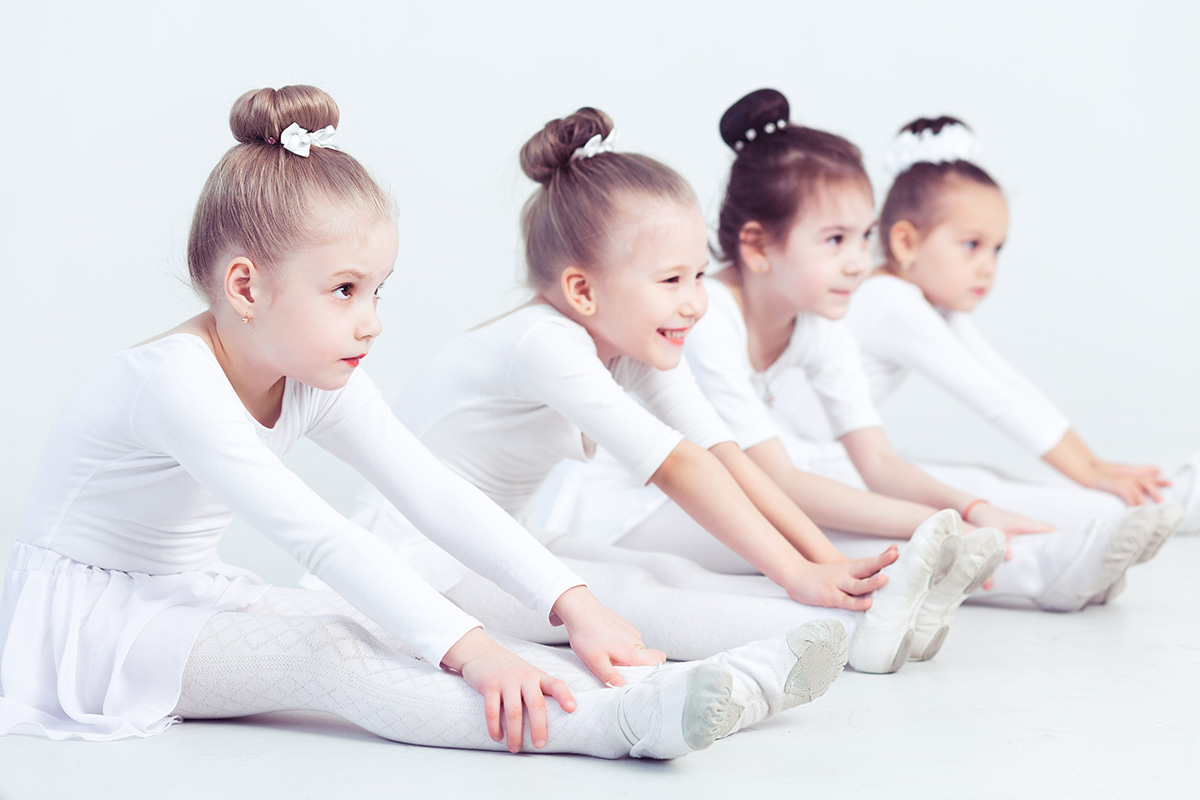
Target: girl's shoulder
886, 286
180, 354
724, 308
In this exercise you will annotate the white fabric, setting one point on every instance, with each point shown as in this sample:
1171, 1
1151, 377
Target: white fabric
817, 389
821, 358
678, 607
309, 650
899, 331
504, 403
140, 476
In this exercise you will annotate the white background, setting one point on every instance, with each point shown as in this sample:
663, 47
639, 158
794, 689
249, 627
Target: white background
116, 111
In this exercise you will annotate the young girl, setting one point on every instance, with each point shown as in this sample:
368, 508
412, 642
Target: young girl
117, 616
794, 228
616, 251
944, 222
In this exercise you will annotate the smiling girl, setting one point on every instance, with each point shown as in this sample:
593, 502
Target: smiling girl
945, 221
118, 618
617, 251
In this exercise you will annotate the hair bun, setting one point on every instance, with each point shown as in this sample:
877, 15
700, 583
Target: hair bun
935, 125
752, 112
551, 148
261, 115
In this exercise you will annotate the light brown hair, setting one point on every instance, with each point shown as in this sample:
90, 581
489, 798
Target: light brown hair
570, 218
262, 201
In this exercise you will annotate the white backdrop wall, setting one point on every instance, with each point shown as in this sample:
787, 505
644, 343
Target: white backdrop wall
116, 112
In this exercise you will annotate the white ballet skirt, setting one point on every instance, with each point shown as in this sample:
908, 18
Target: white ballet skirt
112, 640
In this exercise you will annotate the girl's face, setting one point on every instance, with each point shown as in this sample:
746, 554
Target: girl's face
651, 294
314, 316
826, 253
954, 263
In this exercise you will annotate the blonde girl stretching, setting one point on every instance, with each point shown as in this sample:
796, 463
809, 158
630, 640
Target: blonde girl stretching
943, 224
772, 357
617, 251
118, 618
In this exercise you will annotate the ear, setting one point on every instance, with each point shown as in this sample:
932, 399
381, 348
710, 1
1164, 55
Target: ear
579, 290
752, 247
241, 280
903, 239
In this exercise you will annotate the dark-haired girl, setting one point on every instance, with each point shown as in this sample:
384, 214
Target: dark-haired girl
944, 222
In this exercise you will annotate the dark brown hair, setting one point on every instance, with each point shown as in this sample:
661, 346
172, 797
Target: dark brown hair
780, 166
259, 200
571, 217
915, 194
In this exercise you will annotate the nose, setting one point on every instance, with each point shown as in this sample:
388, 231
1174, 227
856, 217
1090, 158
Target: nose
858, 260
987, 265
369, 325
695, 303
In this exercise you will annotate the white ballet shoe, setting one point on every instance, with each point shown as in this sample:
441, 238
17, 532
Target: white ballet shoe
781, 673
1185, 490
1170, 515
688, 710
982, 551
1109, 547
884, 639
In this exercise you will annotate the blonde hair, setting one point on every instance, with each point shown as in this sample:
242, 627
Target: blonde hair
570, 219
261, 201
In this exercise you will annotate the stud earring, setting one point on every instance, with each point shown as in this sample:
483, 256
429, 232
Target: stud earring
245, 319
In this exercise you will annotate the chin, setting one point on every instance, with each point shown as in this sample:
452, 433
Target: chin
665, 361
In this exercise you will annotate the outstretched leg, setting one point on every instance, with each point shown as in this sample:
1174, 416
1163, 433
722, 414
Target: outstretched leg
248, 663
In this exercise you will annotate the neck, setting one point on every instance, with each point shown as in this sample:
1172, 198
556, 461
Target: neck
605, 351
258, 386
769, 319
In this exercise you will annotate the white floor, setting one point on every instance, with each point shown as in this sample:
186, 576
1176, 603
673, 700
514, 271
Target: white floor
1018, 704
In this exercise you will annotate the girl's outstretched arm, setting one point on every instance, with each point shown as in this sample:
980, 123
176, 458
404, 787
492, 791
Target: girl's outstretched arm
884, 471
833, 504
1135, 485
702, 486
511, 687
463, 521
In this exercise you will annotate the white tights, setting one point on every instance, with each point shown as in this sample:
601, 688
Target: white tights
680, 608
298, 649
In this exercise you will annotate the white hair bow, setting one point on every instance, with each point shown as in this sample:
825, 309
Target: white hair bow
298, 140
596, 145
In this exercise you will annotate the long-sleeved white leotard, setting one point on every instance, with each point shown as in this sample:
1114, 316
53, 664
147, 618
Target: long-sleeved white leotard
899, 331
155, 452
815, 389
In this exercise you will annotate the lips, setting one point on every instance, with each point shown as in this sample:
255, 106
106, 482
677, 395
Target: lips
354, 361
674, 336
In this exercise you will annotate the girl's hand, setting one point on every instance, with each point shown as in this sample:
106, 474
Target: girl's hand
1135, 485
841, 585
602, 639
988, 516
510, 686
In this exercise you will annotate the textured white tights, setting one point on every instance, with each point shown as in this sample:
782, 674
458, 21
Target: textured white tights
311, 650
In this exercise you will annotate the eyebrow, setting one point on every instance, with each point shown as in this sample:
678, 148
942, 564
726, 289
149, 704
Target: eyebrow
677, 267
356, 275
